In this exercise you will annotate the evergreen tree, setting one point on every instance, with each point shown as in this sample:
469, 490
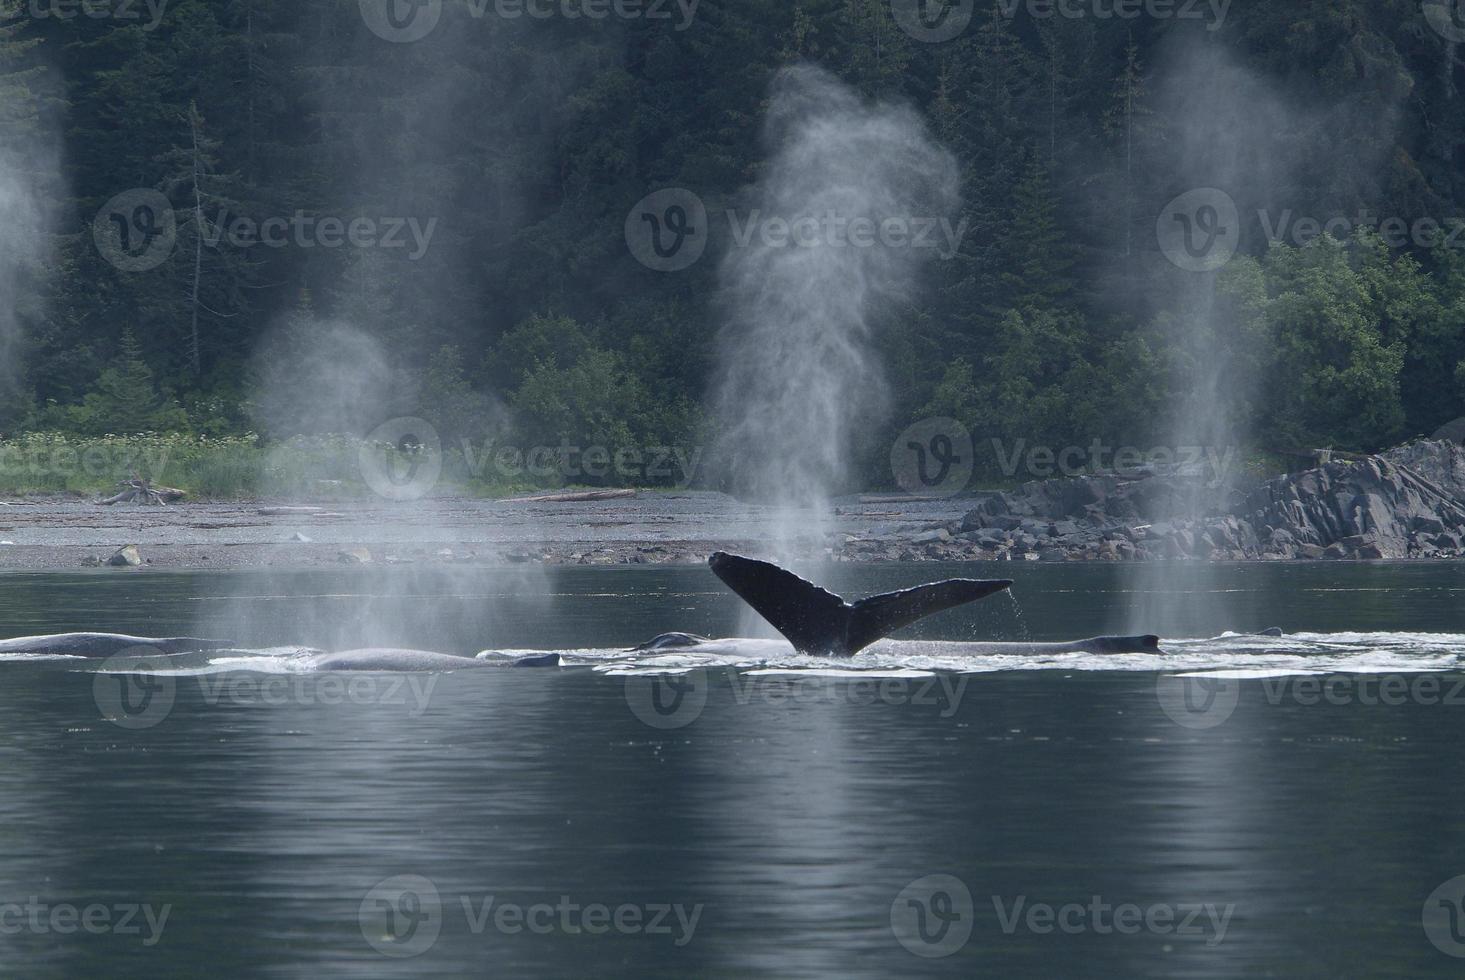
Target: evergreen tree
1037, 249
126, 400
526, 141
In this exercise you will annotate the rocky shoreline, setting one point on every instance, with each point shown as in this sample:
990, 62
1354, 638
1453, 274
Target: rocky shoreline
1406, 503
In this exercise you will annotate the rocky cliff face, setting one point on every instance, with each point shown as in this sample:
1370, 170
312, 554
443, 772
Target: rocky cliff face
1406, 503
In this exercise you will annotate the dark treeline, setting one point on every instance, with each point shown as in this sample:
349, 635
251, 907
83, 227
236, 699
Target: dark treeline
518, 147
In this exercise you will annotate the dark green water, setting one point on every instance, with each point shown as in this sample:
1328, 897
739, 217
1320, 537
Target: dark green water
263, 819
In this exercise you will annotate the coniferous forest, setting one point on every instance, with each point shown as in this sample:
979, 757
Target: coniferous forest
235, 217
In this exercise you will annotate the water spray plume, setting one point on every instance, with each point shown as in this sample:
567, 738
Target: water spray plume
800, 378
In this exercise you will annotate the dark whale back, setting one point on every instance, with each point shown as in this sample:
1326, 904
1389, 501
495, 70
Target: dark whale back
670, 641
819, 622
395, 660
1148, 643
107, 644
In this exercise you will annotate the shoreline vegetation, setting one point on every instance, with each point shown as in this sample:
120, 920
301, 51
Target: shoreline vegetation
230, 468
322, 468
142, 293
329, 467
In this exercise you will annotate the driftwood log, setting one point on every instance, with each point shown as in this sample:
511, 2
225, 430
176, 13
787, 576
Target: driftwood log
571, 497
138, 490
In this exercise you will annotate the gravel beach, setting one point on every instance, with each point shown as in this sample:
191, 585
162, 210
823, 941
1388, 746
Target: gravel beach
63, 532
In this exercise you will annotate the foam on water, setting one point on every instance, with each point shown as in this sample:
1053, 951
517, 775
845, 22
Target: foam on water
1299, 653
1228, 655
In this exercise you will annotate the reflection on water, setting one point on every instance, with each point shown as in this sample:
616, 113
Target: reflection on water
786, 812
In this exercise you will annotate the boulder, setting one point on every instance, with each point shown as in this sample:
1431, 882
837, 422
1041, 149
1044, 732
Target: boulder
126, 556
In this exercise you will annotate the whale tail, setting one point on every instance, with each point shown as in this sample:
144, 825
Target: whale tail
819, 622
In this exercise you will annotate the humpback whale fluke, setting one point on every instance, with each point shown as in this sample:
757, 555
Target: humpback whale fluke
819, 622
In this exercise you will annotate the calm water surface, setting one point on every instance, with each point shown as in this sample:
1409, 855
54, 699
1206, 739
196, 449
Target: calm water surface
779, 820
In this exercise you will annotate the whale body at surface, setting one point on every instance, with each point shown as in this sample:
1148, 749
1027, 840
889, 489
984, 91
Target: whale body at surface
392, 659
107, 645
814, 621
